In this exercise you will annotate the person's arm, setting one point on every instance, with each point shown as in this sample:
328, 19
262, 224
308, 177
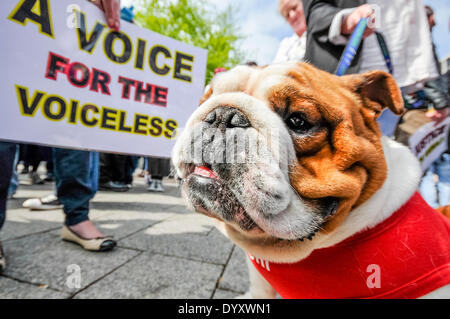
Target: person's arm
319, 16
331, 24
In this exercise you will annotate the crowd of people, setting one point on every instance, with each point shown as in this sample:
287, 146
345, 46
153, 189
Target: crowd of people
321, 32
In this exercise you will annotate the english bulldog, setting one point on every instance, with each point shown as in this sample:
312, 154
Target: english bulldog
291, 163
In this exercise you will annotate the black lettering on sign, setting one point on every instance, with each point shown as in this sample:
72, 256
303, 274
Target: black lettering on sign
154, 55
73, 111
100, 79
127, 83
56, 63
84, 115
160, 97
146, 92
139, 124
75, 70
86, 41
171, 129
156, 126
180, 66
140, 54
61, 111
123, 120
24, 100
106, 118
125, 56
36, 11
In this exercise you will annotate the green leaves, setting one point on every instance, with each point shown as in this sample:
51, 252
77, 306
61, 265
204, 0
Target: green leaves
196, 23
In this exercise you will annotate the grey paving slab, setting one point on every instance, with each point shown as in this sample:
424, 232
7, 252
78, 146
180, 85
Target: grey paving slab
12, 289
45, 258
235, 276
122, 223
209, 247
156, 276
23, 222
225, 294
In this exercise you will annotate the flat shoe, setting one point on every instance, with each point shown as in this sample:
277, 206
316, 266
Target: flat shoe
95, 244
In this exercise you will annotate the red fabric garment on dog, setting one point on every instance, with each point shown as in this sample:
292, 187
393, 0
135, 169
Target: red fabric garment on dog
410, 251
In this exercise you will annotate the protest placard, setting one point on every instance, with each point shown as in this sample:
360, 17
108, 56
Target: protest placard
429, 142
70, 81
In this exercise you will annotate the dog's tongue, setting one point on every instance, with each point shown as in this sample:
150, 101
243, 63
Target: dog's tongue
205, 171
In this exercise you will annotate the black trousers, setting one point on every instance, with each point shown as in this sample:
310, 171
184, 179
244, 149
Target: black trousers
116, 168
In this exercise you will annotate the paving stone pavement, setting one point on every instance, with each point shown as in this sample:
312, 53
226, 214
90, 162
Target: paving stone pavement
164, 250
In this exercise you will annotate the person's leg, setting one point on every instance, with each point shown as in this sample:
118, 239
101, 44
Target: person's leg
131, 165
120, 168
47, 156
34, 156
33, 160
427, 187
14, 184
443, 172
76, 174
108, 173
105, 168
7, 154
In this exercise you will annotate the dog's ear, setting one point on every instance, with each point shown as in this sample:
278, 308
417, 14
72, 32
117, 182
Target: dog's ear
377, 90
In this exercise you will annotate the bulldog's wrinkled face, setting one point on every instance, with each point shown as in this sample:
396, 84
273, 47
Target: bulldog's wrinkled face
285, 151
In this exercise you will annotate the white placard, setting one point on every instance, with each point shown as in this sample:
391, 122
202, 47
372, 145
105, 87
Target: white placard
429, 142
70, 81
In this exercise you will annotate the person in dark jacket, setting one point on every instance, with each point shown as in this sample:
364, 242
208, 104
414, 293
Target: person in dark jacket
320, 51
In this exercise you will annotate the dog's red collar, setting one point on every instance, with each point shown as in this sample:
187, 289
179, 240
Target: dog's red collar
405, 256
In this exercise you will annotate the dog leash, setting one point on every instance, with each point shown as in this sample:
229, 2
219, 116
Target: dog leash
417, 100
353, 44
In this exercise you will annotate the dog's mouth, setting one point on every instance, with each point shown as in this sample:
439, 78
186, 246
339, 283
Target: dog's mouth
212, 196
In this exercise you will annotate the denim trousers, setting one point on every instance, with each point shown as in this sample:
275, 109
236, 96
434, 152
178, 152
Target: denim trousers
7, 154
15, 177
437, 193
76, 177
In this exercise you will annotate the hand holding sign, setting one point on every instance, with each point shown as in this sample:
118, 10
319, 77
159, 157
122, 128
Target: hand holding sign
112, 12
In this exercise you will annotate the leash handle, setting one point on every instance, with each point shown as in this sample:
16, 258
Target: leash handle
352, 47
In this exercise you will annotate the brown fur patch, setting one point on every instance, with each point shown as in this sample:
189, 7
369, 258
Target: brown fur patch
445, 210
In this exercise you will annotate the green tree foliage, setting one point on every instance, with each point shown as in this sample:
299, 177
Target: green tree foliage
196, 23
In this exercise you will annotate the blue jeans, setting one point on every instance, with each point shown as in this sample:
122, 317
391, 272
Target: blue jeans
7, 153
76, 176
15, 177
437, 194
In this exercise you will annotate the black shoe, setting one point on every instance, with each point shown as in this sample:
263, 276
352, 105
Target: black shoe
35, 179
2, 259
112, 186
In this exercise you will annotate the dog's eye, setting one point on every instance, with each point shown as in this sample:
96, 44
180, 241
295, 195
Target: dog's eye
298, 123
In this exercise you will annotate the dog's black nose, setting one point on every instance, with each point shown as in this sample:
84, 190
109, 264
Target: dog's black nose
227, 117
